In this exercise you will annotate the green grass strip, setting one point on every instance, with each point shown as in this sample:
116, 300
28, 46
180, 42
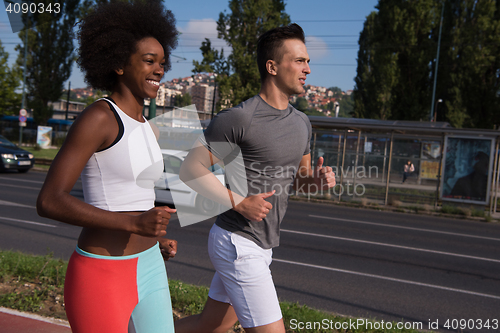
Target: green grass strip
42, 153
43, 272
187, 298
33, 269
48, 274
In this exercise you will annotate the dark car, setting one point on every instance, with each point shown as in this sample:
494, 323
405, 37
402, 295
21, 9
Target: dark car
14, 158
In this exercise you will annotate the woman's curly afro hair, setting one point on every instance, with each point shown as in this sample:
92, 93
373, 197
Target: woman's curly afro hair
109, 34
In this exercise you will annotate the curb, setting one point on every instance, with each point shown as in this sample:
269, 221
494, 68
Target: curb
402, 210
59, 322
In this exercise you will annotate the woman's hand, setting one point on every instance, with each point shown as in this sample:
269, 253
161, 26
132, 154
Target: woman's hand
153, 223
168, 248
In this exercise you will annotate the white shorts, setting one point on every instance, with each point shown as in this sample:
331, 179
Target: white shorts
243, 278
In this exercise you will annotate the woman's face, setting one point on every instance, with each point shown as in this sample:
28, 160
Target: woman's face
145, 68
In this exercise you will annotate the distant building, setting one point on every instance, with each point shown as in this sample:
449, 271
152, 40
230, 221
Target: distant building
165, 96
74, 109
202, 95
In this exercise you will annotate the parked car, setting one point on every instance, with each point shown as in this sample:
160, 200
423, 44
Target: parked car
13, 157
170, 187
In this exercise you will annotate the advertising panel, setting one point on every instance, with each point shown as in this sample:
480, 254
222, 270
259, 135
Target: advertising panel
431, 153
429, 169
43, 137
467, 169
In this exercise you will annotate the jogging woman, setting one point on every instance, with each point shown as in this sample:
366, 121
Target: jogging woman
116, 279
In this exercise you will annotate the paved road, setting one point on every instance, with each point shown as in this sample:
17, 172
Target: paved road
355, 262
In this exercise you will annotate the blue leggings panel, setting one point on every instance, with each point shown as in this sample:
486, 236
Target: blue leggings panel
116, 294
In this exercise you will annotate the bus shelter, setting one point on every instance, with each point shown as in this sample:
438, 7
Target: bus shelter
459, 166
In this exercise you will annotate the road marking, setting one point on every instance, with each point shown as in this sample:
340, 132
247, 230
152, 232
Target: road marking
390, 245
14, 204
17, 186
408, 228
27, 222
387, 278
22, 180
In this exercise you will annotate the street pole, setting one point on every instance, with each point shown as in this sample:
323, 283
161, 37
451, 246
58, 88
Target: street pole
152, 109
437, 64
213, 101
24, 82
436, 109
67, 101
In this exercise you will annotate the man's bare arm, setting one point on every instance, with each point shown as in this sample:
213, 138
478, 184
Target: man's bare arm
196, 174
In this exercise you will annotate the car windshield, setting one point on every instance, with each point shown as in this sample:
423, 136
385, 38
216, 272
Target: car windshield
6, 143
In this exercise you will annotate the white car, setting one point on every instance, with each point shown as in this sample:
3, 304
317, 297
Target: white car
169, 186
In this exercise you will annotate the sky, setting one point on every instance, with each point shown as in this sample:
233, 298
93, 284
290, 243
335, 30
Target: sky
332, 29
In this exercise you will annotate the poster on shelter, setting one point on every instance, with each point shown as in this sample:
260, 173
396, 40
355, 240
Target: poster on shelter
431, 150
429, 169
466, 172
43, 137
431, 154
368, 147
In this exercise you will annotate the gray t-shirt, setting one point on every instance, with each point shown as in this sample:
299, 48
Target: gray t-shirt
272, 143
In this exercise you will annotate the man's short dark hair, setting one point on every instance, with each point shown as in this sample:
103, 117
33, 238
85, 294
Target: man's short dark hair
270, 43
108, 36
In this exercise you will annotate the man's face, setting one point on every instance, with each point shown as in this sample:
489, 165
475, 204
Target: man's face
293, 68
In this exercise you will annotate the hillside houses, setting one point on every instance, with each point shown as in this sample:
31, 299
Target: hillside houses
201, 88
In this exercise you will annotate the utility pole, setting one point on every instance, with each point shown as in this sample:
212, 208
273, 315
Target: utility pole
23, 103
152, 109
67, 101
213, 101
437, 64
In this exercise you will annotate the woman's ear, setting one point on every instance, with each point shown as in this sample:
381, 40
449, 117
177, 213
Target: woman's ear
119, 71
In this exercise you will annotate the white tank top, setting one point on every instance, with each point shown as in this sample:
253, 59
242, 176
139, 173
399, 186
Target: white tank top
121, 177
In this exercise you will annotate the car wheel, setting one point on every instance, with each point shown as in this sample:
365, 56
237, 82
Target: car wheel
206, 206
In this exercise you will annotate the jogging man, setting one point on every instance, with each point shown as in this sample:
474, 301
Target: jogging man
274, 141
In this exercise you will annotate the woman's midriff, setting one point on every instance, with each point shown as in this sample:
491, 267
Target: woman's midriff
114, 242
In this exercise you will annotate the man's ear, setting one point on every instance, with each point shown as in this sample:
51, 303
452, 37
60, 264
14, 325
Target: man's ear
271, 67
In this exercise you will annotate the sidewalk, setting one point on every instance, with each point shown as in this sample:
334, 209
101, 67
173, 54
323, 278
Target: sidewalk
12, 321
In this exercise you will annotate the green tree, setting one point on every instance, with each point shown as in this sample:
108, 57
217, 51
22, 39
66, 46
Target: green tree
237, 75
301, 104
50, 55
393, 61
346, 106
377, 73
10, 80
182, 100
337, 92
468, 80
413, 23
397, 62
